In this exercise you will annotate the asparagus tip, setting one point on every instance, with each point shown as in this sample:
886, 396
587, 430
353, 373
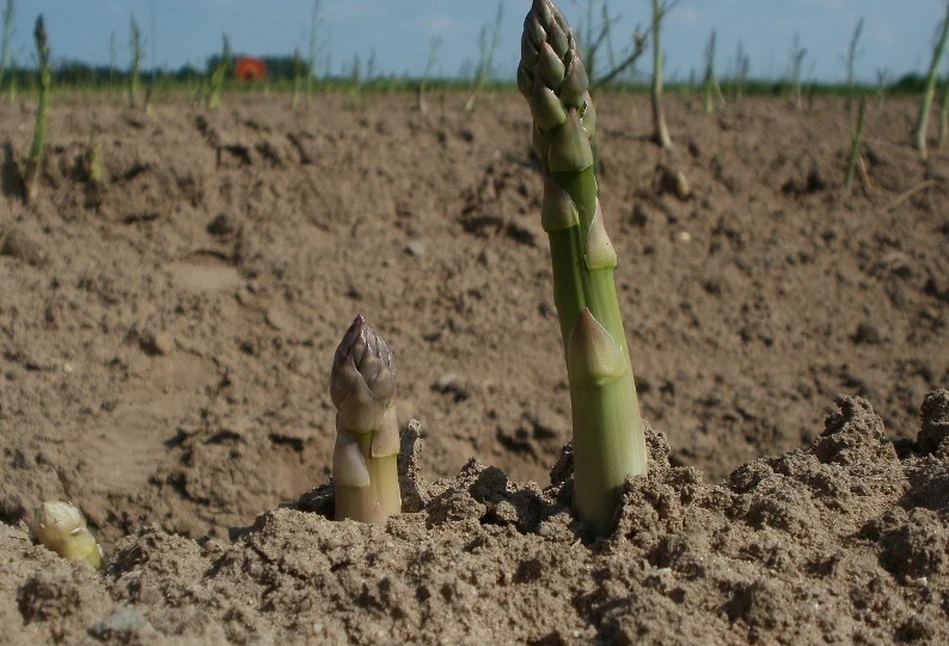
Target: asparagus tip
362, 387
61, 528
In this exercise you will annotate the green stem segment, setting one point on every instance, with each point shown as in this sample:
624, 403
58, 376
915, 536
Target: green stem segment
609, 444
365, 459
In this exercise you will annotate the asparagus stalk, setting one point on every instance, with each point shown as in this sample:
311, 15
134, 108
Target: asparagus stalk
423, 82
608, 435
742, 65
856, 138
943, 117
660, 130
297, 79
487, 49
137, 53
930, 90
850, 61
797, 60
216, 81
713, 91
313, 47
61, 528
35, 160
7, 35
365, 460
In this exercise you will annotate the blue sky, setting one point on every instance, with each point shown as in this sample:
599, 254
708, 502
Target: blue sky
898, 34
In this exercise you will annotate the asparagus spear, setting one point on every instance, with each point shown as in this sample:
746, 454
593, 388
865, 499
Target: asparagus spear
61, 528
365, 460
608, 435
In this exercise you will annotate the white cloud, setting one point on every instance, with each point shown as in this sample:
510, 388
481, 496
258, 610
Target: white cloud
435, 24
684, 15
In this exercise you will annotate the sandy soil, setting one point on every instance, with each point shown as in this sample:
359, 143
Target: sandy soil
166, 340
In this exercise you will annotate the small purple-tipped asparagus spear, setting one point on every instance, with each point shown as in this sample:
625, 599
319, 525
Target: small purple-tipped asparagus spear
365, 460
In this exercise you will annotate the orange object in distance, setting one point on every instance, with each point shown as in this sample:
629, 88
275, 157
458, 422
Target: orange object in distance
249, 68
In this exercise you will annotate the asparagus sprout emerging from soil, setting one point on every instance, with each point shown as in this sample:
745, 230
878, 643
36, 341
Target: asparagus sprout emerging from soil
365, 460
45, 74
608, 437
61, 528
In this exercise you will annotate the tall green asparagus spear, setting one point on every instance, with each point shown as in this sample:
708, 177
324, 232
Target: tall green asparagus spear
365, 460
35, 160
607, 428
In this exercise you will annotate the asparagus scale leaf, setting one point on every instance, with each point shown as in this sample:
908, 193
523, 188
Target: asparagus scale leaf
608, 438
365, 459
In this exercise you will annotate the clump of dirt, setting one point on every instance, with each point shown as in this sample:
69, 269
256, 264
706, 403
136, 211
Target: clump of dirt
166, 335
843, 541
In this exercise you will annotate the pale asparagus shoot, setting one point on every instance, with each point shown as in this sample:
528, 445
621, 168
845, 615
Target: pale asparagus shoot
365, 460
608, 437
60, 527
